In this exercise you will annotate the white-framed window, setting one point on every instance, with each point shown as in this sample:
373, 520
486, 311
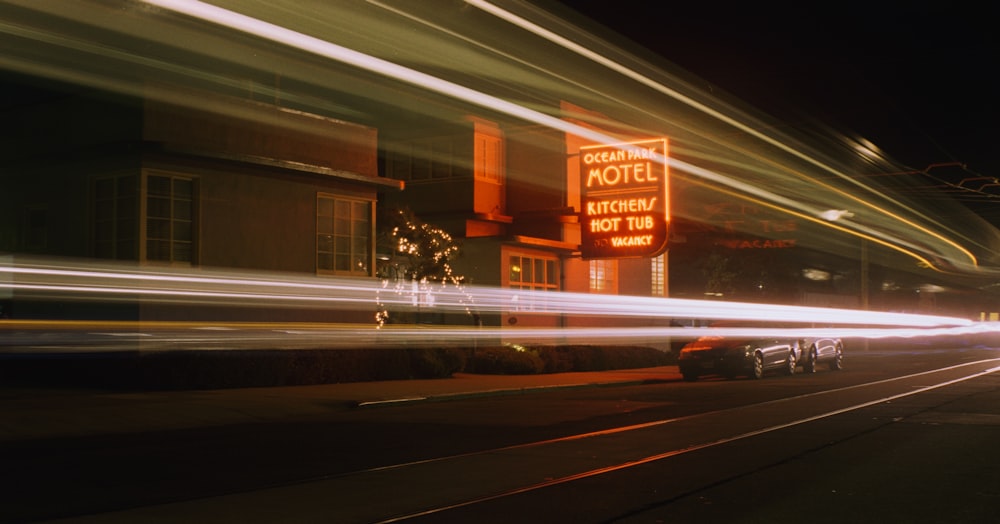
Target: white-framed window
604, 276
344, 235
533, 272
151, 217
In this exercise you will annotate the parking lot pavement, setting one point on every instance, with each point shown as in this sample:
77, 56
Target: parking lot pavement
27, 413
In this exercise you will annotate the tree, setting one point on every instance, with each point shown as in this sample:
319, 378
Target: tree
419, 257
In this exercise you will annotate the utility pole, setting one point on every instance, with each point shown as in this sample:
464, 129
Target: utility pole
864, 274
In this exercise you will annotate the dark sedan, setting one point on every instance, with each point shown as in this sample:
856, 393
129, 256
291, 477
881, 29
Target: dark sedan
736, 356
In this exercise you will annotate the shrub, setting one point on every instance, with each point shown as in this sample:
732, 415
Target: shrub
560, 359
215, 369
435, 363
506, 361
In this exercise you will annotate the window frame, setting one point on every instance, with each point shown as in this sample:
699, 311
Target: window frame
550, 265
123, 233
658, 275
353, 220
603, 276
173, 221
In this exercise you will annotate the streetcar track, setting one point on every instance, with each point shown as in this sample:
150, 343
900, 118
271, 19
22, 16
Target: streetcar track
653, 423
344, 483
675, 452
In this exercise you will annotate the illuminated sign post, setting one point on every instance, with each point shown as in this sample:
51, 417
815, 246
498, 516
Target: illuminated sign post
625, 199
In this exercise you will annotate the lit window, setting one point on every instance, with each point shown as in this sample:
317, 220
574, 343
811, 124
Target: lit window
343, 235
528, 272
658, 270
603, 275
531, 273
489, 156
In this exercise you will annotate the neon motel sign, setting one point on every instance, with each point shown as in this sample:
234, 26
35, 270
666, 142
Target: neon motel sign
625, 199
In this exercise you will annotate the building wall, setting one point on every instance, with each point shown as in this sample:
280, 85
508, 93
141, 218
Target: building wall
245, 128
258, 170
436, 164
635, 277
536, 179
253, 221
50, 142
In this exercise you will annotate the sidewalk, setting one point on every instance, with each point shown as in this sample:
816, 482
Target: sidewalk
27, 414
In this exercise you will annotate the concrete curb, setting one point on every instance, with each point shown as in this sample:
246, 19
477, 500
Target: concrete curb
444, 397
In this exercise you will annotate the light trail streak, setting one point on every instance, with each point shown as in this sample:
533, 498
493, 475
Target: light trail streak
860, 231
266, 291
75, 336
929, 247
586, 321
275, 33
638, 77
867, 232
263, 29
950, 253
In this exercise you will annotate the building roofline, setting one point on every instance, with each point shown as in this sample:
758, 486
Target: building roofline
545, 243
292, 165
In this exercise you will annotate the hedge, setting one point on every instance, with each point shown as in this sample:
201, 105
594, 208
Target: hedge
217, 369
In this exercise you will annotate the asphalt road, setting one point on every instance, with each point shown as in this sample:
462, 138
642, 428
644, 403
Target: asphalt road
897, 436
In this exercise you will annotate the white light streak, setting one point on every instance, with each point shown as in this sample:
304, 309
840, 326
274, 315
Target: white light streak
109, 282
738, 124
283, 291
297, 40
783, 181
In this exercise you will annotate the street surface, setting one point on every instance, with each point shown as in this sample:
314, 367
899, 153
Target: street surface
899, 435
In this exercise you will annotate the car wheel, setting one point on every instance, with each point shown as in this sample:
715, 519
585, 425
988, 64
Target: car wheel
837, 363
758, 366
689, 377
790, 363
810, 365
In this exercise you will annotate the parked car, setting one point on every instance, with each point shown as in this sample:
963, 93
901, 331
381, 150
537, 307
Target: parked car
824, 350
735, 356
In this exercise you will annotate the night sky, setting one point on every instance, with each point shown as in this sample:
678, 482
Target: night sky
917, 79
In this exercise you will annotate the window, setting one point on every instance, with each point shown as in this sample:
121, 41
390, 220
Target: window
489, 169
537, 273
659, 281
343, 235
489, 156
162, 229
603, 275
169, 219
528, 272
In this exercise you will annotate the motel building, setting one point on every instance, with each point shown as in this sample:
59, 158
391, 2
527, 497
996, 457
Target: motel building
178, 177
188, 180
227, 180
